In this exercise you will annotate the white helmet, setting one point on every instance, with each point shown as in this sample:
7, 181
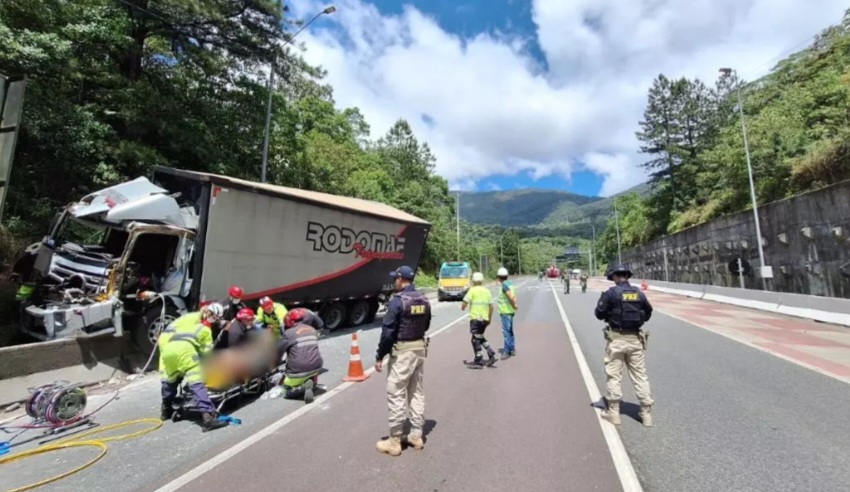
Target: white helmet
478, 277
214, 309
503, 272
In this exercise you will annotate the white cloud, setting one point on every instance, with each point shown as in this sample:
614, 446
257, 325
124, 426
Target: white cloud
494, 111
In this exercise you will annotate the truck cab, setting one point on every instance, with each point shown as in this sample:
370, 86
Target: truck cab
102, 262
454, 281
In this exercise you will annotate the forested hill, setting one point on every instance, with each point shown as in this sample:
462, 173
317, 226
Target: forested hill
798, 125
537, 208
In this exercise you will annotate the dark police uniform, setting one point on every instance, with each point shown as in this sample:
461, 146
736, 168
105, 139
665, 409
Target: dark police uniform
407, 320
625, 309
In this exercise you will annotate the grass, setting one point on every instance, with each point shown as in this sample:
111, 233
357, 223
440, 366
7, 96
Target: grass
426, 280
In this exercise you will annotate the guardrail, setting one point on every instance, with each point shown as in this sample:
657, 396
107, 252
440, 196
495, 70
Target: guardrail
826, 309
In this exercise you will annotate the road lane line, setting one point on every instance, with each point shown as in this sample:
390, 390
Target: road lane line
622, 462
220, 458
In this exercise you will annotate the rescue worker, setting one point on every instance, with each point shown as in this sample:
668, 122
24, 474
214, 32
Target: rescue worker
625, 309
480, 302
507, 309
565, 276
237, 330
181, 346
271, 315
583, 280
234, 304
405, 323
300, 344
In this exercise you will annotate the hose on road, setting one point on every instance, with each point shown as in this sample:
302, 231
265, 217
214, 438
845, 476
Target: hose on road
78, 441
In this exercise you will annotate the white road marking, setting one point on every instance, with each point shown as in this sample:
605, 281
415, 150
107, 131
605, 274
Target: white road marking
625, 470
213, 462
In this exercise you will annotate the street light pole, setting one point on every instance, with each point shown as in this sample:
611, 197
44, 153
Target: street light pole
619, 250
519, 255
593, 248
502, 245
270, 88
457, 217
726, 72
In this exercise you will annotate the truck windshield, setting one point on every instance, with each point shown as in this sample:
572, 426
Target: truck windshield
454, 272
92, 237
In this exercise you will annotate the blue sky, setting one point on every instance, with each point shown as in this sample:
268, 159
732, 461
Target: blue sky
540, 93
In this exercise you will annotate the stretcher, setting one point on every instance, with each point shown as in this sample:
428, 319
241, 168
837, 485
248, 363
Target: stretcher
220, 396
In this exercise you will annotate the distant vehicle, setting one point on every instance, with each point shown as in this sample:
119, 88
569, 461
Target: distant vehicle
455, 280
155, 250
553, 272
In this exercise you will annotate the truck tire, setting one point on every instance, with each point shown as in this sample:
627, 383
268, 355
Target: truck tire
358, 312
146, 331
333, 316
373, 311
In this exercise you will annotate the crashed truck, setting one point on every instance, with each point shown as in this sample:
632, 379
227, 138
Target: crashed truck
131, 258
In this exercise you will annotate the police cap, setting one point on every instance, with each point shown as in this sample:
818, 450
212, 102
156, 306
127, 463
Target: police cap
618, 270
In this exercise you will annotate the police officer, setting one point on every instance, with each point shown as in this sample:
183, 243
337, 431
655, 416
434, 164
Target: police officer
407, 319
625, 309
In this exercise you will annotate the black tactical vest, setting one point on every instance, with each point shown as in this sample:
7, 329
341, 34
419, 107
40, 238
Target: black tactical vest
415, 316
628, 308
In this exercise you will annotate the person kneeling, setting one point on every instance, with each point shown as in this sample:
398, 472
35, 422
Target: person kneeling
299, 343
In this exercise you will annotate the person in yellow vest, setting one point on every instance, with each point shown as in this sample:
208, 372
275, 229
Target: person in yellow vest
480, 302
181, 346
271, 315
507, 309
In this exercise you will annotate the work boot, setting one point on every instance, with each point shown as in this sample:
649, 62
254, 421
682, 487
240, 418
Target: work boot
308, 391
415, 441
166, 412
474, 364
506, 355
390, 446
210, 422
645, 415
492, 360
612, 414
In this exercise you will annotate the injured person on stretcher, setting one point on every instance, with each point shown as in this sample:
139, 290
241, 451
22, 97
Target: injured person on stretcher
247, 360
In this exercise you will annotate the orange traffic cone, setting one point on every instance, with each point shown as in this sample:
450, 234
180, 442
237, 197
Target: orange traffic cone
644, 285
355, 365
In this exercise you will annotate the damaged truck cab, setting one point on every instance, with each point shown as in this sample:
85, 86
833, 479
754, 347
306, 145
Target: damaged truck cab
116, 261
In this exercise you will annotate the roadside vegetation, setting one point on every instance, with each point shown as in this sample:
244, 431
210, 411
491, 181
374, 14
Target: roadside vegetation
798, 122
116, 88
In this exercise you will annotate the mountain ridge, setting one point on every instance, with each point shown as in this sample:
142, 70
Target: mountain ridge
540, 209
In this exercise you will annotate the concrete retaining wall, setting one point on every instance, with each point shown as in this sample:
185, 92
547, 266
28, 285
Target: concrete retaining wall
828, 310
807, 242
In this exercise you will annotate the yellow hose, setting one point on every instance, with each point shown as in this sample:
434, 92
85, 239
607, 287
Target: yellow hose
75, 441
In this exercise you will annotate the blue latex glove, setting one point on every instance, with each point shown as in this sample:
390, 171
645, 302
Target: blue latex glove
229, 419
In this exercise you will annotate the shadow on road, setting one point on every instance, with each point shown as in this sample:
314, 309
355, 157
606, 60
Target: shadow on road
630, 410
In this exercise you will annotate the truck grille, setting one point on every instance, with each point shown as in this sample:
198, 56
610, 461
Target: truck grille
62, 269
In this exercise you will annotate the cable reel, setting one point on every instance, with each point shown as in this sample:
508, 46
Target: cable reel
56, 403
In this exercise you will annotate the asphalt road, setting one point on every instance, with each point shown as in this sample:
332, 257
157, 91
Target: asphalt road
141, 463
727, 417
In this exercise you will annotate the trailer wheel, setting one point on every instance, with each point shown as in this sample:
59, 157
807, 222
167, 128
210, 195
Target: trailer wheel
373, 311
358, 313
146, 332
333, 316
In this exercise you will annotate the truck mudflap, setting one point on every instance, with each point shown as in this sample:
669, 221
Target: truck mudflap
74, 320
